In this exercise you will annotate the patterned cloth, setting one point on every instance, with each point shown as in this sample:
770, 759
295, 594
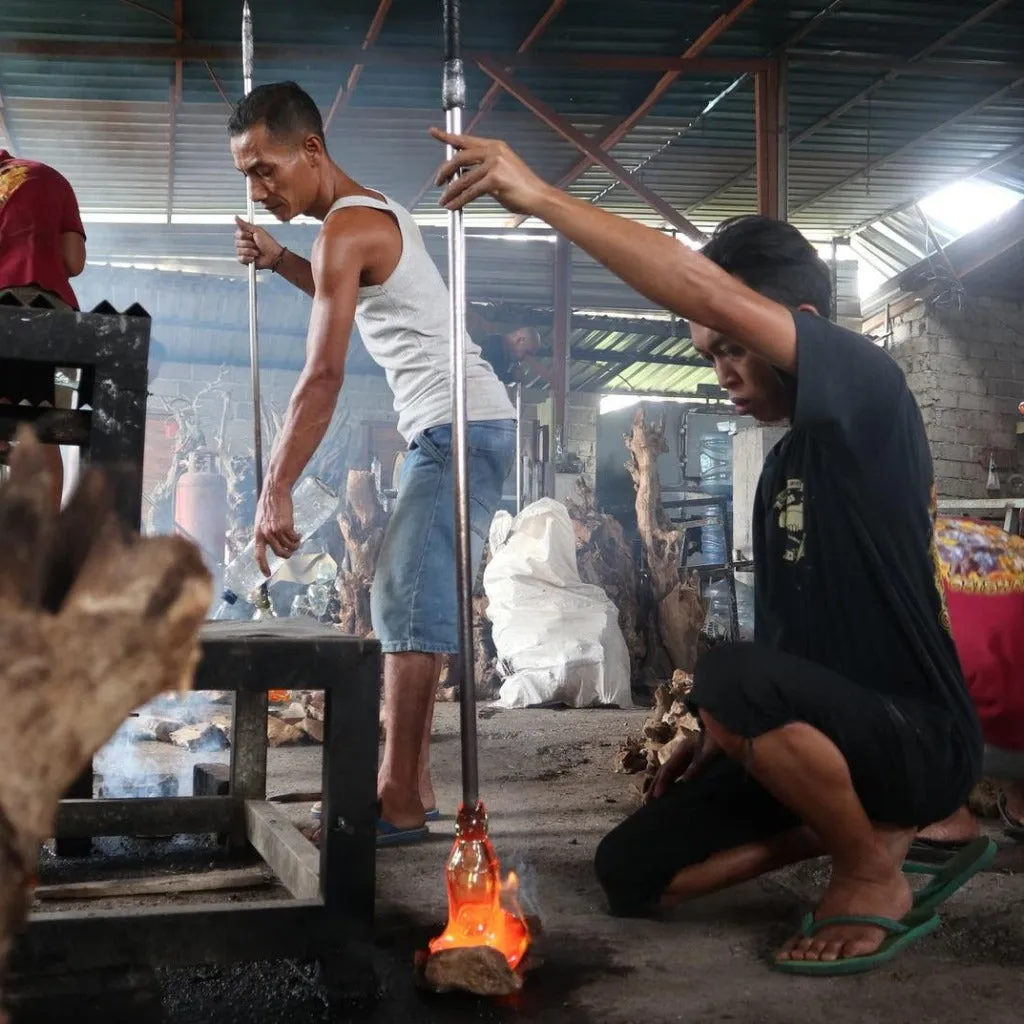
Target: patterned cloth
982, 570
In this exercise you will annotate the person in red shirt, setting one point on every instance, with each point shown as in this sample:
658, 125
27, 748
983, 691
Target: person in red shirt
42, 246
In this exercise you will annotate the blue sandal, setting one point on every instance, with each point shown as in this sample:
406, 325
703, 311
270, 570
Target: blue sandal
900, 934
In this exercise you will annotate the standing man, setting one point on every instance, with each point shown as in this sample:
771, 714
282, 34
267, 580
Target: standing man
846, 725
42, 246
370, 267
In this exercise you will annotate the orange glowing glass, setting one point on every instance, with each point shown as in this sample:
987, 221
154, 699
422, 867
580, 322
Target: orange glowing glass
481, 910
278, 696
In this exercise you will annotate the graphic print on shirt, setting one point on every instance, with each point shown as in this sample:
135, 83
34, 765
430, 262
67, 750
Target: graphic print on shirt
789, 507
11, 179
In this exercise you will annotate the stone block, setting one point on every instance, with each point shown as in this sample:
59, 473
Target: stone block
947, 470
974, 403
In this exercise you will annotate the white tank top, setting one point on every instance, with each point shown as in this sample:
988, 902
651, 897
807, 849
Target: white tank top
404, 326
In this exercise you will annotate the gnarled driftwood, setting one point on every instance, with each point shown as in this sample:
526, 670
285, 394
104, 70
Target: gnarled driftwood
93, 623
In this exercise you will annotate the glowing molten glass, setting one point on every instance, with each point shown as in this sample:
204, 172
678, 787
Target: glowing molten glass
481, 911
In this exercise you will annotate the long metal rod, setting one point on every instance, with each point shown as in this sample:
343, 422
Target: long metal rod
519, 447
453, 93
254, 340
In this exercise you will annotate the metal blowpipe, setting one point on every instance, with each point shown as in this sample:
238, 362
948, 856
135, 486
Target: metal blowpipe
254, 340
453, 94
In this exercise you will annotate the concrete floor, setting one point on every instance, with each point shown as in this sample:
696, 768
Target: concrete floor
547, 779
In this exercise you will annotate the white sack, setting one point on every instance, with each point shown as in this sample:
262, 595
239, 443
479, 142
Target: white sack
557, 638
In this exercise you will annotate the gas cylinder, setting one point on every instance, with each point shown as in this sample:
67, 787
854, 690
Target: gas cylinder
201, 509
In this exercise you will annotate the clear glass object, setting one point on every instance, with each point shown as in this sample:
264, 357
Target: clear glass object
314, 503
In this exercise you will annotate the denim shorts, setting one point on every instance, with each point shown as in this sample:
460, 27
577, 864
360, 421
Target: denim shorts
413, 601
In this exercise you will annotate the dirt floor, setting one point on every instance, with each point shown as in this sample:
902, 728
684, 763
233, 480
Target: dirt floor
547, 779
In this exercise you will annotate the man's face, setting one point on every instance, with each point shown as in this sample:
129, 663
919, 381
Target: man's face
753, 385
523, 342
285, 172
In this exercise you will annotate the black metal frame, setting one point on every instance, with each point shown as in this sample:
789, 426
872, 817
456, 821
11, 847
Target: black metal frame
330, 916
112, 350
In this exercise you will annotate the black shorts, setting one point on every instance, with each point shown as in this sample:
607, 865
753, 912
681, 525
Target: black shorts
912, 763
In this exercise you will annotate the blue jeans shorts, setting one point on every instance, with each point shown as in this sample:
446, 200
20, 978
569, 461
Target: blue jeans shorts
413, 602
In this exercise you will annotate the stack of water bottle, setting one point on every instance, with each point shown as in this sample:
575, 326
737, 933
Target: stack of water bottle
244, 594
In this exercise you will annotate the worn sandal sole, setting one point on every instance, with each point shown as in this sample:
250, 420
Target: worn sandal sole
951, 876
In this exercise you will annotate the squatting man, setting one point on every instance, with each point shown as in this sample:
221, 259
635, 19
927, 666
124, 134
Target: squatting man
846, 725
370, 268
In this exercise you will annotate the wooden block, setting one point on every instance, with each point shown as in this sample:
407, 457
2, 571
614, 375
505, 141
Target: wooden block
196, 738
293, 858
280, 733
211, 780
165, 885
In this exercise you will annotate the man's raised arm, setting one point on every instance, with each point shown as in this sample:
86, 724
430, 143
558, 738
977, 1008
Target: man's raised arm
664, 270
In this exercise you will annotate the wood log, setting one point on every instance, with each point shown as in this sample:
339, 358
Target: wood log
481, 970
200, 738
606, 560
362, 522
93, 623
281, 733
678, 612
164, 885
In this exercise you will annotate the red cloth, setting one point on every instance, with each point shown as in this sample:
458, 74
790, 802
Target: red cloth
983, 574
37, 206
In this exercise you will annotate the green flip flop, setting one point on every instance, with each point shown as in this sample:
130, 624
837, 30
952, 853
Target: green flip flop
900, 934
947, 878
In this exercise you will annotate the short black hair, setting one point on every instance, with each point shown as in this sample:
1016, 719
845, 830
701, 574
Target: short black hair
774, 259
284, 107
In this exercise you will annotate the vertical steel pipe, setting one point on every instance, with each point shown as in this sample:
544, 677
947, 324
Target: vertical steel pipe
254, 342
453, 95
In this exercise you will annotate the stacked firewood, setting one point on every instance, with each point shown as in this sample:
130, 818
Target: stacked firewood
668, 725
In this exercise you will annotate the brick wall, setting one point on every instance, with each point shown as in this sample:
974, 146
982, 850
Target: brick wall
581, 430
966, 369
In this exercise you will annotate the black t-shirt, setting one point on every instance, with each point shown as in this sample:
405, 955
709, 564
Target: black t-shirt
844, 549
494, 351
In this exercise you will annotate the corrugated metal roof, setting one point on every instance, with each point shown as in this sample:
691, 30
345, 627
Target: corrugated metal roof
106, 123
202, 319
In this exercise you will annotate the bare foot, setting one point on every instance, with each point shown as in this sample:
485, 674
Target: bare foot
427, 796
401, 810
1014, 794
960, 826
878, 889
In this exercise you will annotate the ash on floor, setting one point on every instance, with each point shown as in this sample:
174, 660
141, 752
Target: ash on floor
548, 782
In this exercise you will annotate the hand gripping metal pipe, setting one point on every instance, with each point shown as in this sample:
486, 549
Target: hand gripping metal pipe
453, 96
254, 341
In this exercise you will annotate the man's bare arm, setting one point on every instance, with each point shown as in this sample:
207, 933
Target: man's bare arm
297, 271
338, 259
664, 270
72, 250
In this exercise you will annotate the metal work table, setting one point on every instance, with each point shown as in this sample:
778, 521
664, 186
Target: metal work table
330, 914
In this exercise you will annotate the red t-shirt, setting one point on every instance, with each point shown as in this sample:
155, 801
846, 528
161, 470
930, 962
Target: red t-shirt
37, 206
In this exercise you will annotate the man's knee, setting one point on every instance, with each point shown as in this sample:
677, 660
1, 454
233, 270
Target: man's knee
724, 666
623, 879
